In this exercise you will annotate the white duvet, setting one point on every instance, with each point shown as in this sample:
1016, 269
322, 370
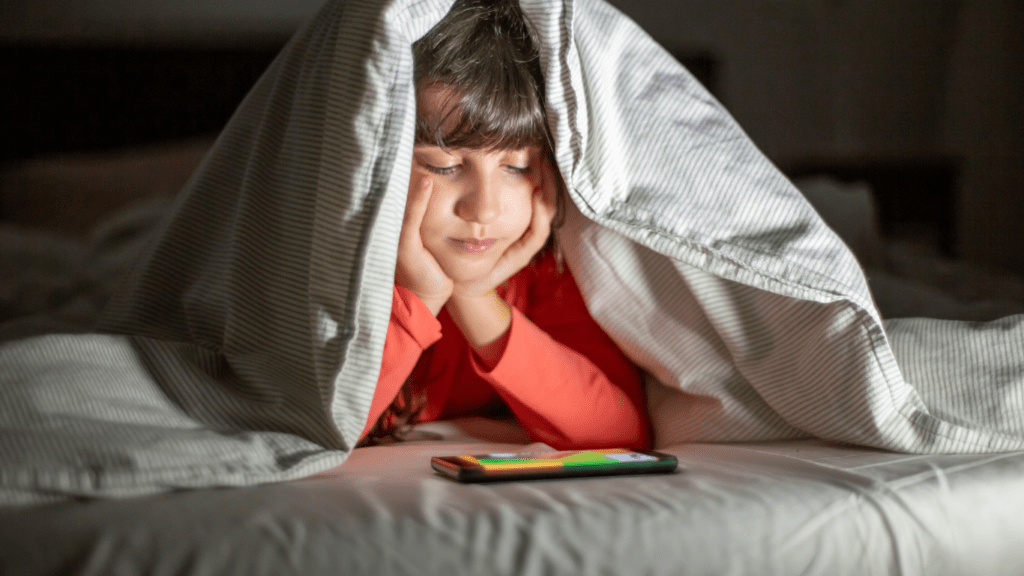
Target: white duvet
245, 348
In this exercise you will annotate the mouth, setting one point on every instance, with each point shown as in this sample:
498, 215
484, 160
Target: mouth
473, 245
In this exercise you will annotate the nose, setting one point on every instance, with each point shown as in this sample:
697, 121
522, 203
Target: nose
480, 202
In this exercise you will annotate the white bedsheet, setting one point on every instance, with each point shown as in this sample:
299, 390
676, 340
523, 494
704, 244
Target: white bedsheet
797, 507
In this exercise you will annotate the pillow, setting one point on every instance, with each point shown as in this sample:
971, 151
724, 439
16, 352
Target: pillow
850, 210
70, 193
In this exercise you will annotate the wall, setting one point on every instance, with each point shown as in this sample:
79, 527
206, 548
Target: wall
806, 75
876, 78
984, 124
119, 19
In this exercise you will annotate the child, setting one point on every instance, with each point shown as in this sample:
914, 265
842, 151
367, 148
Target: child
484, 317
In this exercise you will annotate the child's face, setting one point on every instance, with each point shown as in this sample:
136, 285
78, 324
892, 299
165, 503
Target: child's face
481, 201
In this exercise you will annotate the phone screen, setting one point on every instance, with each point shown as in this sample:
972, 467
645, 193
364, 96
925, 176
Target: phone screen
560, 464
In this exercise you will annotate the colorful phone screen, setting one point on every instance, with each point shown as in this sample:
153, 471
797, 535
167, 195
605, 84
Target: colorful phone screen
561, 464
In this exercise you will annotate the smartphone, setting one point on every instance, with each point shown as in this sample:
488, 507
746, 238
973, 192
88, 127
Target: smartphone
562, 464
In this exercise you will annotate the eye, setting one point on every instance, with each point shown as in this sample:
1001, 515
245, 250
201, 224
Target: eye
517, 169
441, 170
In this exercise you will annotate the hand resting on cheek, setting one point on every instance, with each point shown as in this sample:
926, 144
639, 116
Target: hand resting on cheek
473, 219
417, 270
520, 252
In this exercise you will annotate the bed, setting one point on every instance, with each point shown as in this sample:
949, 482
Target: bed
797, 507
792, 506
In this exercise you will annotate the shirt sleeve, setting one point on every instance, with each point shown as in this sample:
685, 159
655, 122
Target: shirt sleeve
412, 329
567, 382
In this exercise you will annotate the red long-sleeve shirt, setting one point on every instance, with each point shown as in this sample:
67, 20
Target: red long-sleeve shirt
564, 379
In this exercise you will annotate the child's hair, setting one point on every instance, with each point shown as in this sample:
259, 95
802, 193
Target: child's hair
483, 52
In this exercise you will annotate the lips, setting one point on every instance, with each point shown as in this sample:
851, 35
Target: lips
474, 245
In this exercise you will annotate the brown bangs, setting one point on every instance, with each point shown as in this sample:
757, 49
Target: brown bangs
474, 121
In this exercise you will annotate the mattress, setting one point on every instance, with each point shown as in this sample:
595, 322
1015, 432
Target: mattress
787, 507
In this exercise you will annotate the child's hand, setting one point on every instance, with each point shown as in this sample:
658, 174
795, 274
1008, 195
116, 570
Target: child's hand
519, 254
417, 270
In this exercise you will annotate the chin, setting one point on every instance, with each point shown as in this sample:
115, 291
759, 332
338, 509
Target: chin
468, 271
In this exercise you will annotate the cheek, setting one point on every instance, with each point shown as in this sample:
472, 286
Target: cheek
519, 208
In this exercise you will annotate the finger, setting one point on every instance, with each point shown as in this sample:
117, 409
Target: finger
545, 207
415, 209
519, 254
419, 198
551, 185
